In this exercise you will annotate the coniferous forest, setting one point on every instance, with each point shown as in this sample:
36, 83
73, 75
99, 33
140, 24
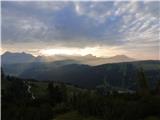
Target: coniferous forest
45, 100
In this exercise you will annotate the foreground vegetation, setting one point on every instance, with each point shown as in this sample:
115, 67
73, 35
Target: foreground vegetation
33, 100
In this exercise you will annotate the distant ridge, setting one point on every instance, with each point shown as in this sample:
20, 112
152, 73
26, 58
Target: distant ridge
12, 58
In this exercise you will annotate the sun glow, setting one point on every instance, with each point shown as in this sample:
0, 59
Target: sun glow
96, 51
67, 51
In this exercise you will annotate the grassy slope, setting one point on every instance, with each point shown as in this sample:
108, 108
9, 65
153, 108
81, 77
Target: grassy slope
39, 88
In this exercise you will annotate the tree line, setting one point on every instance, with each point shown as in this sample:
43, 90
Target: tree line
18, 104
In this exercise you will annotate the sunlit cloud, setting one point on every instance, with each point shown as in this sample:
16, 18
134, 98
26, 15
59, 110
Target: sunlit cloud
98, 28
96, 51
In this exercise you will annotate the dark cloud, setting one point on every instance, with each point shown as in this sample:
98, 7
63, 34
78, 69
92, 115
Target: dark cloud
80, 24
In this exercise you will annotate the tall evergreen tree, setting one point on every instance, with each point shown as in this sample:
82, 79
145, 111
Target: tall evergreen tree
158, 88
51, 94
142, 83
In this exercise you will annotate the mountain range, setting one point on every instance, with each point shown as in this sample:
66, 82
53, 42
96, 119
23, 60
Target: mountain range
13, 58
73, 71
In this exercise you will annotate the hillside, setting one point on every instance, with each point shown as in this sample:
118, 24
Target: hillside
116, 74
25, 99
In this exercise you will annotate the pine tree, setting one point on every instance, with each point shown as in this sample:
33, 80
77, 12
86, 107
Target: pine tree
158, 88
51, 94
50, 90
63, 91
142, 83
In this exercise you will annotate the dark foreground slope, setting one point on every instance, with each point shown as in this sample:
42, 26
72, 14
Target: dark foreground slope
23, 99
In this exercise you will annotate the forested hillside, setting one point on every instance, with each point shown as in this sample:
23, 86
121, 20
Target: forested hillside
116, 74
24, 99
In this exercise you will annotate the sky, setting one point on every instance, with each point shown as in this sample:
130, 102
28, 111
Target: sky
102, 29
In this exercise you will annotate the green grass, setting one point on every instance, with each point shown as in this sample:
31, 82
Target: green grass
39, 88
73, 116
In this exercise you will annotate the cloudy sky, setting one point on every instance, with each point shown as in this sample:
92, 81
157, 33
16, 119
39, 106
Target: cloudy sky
98, 28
